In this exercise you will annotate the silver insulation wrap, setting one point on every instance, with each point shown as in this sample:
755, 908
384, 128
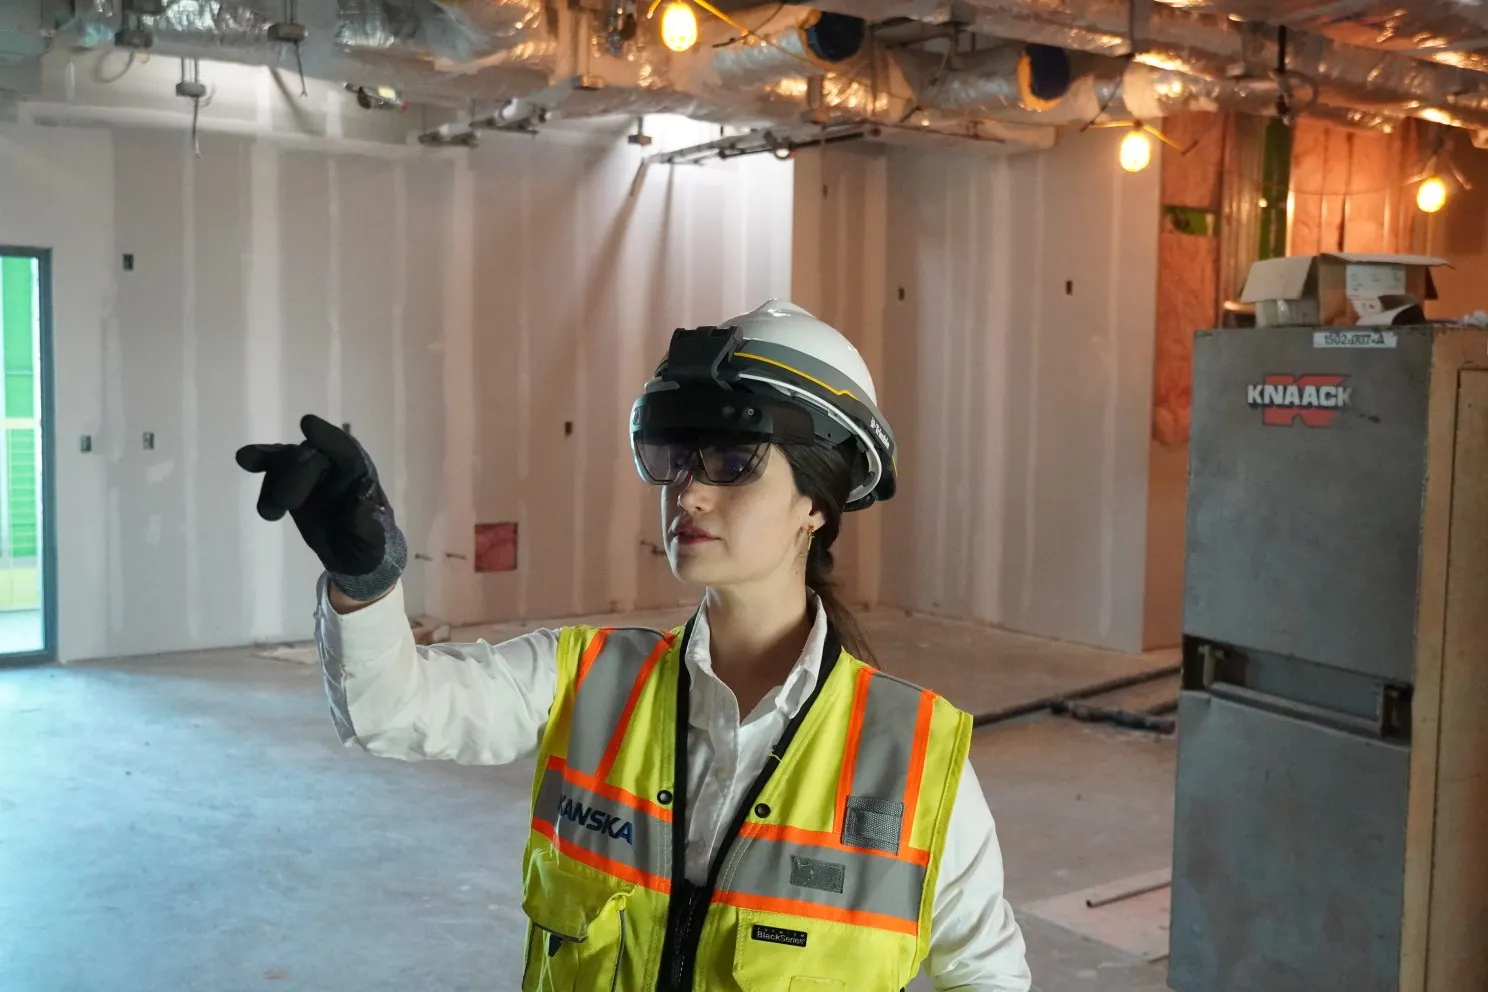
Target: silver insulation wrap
474, 32
1451, 33
210, 24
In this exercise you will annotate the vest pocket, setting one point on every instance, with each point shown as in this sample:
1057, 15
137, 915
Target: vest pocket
577, 937
775, 952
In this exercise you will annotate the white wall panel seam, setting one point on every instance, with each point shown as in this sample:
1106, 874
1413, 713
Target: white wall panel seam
336, 359
190, 399
1109, 429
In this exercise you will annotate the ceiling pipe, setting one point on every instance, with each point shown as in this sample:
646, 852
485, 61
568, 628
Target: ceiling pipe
1452, 34
1103, 90
1210, 44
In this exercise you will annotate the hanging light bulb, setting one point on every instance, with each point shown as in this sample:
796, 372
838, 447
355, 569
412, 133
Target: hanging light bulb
1136, 150
679, 26
1431, 195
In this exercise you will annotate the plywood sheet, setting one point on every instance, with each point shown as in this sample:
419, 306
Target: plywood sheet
1130, 914
1457, 957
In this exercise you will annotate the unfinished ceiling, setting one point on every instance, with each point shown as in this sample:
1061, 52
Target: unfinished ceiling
1008, 71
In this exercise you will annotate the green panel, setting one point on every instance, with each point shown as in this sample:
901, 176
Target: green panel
18, 298
20, 395
20, 493
1276, 183
1192, 220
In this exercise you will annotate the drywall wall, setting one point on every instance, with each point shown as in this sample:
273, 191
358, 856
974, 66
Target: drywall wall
1015, 366
837, 272
56, 192
482, 319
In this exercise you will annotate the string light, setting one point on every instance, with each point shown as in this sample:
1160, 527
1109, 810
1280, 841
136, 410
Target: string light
1431, 195
1136, 150
679, 26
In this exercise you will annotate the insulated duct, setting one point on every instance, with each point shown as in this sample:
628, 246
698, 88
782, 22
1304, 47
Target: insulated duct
1104, 90
1116, 91
92, 23
449, 33
210, 24
796, 42
1454, 34
1213, 46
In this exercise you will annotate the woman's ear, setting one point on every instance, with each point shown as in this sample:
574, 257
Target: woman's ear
817, 520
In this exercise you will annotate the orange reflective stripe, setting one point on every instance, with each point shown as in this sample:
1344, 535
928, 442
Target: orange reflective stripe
917, 766
613, 749
586, 661
600, 863
609, 791
795, 907
826, 839
850, 756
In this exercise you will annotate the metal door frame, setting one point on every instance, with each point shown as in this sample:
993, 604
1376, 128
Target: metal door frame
47, 498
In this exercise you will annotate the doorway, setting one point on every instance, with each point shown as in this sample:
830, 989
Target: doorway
27, 544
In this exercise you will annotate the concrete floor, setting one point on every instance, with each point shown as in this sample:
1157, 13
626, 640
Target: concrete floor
189, 822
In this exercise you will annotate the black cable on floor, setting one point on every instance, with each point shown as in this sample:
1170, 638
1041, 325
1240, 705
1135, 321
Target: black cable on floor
1047, 703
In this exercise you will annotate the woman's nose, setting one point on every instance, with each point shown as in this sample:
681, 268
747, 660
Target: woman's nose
692, 495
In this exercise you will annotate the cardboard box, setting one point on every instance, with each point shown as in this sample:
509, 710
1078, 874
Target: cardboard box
1339, 288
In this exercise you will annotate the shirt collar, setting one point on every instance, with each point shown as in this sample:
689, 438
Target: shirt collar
803, 675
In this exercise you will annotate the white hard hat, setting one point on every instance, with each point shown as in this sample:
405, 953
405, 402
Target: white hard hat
780, 352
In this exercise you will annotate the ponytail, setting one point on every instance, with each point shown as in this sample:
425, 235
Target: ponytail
819, 580
824, 475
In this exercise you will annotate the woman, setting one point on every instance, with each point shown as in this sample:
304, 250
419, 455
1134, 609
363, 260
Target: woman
828, 832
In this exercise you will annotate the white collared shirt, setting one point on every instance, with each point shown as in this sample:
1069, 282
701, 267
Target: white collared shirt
487, 703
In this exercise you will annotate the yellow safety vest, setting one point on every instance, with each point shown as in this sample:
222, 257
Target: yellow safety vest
826, 880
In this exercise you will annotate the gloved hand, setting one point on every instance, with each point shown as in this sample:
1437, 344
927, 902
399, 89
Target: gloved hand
328, 485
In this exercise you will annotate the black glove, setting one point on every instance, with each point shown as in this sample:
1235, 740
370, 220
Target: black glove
328, 485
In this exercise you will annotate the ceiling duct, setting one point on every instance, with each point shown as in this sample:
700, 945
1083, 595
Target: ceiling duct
1102, 90
797, 42
1454, 34
210, 24
1211, 45
451, 34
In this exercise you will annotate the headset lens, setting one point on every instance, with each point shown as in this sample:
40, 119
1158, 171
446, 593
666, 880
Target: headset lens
717, 465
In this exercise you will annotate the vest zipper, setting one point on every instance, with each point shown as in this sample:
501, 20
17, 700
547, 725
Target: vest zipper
686, 945
682, 946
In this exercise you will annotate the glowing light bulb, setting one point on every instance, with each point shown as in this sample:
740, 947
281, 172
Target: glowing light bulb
679, 26
1431, 195
1136, 150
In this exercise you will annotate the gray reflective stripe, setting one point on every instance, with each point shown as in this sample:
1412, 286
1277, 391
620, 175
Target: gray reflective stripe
802, 362
600, 700
604, 826
881, 769
868, 883
776, 355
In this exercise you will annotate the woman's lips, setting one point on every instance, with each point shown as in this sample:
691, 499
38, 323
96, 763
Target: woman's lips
691, 535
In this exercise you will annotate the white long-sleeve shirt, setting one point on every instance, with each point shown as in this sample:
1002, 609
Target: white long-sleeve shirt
487, 704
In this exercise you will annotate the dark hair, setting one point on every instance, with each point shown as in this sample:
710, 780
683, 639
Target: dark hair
825, 476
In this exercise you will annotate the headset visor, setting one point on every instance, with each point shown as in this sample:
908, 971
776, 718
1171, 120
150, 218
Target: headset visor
664, 462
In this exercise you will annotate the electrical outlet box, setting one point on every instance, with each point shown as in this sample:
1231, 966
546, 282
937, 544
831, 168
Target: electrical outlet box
149, 440
86, 444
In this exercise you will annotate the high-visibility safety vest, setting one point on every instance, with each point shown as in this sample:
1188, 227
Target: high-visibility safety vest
826, 879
